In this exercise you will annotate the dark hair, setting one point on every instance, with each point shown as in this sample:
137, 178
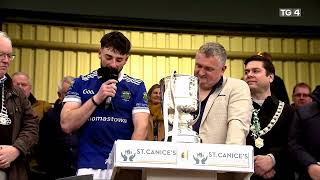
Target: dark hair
267, 64
153, 87
302, 84
117, 41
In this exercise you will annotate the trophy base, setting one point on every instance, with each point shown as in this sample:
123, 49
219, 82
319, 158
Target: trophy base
185, 136
187, 139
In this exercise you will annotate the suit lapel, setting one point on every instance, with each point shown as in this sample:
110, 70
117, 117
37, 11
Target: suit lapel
211, 100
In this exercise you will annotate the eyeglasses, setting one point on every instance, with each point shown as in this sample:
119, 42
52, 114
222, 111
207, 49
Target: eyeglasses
7, 55
301, 95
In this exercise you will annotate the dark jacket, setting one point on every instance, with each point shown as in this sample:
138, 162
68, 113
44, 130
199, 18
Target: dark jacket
25, 128
58, 149
304, 144
276, 140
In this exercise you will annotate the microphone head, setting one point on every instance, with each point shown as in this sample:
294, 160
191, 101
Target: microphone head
105, 73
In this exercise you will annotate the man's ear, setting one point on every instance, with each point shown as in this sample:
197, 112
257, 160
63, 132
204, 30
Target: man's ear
271, 77
224, 68
99, 53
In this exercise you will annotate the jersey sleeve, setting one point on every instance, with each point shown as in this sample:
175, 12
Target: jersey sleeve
140, 99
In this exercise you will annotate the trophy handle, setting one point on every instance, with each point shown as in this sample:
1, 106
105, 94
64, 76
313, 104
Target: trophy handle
199, 105
165, 117
176, 113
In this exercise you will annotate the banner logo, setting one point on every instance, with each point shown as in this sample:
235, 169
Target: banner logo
128, 155
200, 158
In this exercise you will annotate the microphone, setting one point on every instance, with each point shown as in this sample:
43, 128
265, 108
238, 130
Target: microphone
104, 74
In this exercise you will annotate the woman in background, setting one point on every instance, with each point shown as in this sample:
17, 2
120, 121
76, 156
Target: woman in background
156, 125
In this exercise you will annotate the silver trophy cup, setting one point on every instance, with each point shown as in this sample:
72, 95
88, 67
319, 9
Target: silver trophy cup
180, 107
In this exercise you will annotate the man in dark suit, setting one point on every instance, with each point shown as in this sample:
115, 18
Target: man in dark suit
57, 148
269, 124
304, 142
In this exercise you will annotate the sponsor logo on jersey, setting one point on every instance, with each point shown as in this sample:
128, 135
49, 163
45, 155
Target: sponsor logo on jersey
145, 97
88, 91
126, 95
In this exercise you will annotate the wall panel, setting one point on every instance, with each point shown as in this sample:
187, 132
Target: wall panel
288, 46
94, 61
236, 44
27, 61
70, 35
249, 44
302, 46
290, 76
275, 45
278, 65
197, 41
15, 64
209, 38
83, 63
302, 68
84, 36
161, 40
42, 33
262, 44
160, 69
224, 41
236, 68
173, 41
55, 73
46, 66
314, 46
314, 74
28, 32
56, 34
70, 63
41, 74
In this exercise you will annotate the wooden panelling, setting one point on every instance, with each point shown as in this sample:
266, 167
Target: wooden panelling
28, 32
314, 46
275, 45
70, 63
288, 46
236, 44
278, 65
27, 61
289, 77
55, 73
302, 46
224, 41
159, 65
249, 44
47, 66
236, 68
197, 41
314, 74
56, 34
209, 38
262, 44
41, 74
83, 63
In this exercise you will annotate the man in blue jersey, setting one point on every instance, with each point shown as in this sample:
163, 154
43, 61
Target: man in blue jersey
105, 108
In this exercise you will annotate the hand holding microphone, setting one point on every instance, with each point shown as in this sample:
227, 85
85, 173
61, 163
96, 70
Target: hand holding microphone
113, 87
108, 89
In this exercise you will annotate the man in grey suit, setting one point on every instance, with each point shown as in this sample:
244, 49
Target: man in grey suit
226, 104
